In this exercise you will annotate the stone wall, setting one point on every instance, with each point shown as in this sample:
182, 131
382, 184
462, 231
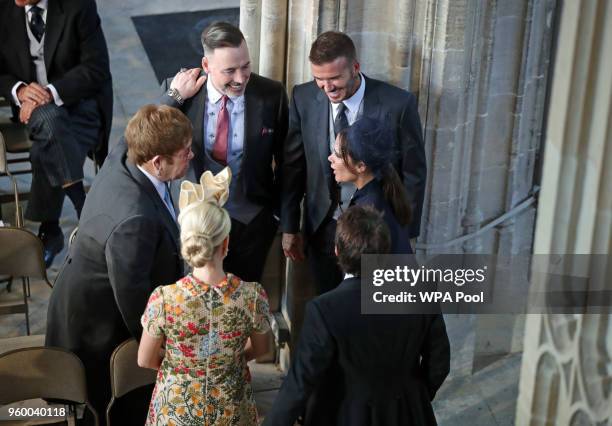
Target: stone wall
566, 371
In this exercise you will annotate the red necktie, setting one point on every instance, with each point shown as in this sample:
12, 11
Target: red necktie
219, 151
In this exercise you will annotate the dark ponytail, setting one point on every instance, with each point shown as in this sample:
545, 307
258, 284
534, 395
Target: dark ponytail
395, 194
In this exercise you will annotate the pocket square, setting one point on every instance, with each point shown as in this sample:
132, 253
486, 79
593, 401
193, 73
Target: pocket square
266, 131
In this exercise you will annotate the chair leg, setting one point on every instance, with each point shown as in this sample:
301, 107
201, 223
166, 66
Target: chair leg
28, 287
25, 301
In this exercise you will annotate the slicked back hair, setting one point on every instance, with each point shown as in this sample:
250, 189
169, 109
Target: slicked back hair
360, 230
330, 46
220, 34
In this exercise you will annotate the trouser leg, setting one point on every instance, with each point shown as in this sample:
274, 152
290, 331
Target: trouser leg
61, 138
322, 258
249, 246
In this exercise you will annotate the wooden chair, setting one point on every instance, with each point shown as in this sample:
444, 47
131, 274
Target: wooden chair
43, 372
125, 374
5, 171
21, 255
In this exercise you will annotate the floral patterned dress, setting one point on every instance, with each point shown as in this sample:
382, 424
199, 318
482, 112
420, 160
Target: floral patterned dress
204, 378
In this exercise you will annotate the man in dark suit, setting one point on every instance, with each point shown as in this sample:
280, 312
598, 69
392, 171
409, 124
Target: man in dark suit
320, 109
365, 369
239, 120
126, 245
54, 69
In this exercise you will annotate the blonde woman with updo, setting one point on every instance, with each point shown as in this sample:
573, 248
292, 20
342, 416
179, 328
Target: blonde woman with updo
210, 322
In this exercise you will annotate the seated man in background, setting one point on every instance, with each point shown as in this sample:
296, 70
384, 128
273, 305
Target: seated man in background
365, 369
54, 69
127, 244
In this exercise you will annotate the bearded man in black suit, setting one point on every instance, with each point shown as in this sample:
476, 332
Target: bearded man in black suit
239, 120
319, 110
54, 69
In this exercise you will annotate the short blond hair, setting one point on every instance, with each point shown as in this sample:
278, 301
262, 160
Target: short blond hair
204, 226
156, 130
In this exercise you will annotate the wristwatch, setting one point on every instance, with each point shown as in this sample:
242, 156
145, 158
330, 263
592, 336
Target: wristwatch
174, 94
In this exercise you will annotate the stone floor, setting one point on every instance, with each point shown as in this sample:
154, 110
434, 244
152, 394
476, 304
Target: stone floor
487, 397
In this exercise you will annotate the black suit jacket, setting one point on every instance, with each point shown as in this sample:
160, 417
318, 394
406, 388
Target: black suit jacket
371, 369
76, 57
127, 244
265, 124
307, 170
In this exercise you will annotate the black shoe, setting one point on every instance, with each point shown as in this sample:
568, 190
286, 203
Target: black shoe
53, 243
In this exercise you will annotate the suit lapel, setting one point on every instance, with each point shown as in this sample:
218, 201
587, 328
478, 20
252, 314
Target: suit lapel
53, 30
196, 115
371, 102
322, 132
150, 190
21, 43
253, 125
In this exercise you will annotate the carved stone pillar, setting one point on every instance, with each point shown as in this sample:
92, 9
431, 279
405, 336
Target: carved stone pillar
566, 371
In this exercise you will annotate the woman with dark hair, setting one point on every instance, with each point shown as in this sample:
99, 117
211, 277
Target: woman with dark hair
362, 155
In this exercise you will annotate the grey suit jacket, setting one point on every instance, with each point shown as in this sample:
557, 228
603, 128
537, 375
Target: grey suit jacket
306, 169
127, 244
265, 124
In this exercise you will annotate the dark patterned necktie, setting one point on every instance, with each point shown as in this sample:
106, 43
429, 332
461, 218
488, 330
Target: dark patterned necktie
219, 151
37, 25
341, 122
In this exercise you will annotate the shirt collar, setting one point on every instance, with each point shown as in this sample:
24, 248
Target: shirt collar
354, 101
43, 4
160, 186
214, 95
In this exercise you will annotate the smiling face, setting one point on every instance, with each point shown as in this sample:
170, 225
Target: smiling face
342, 171
339, 79
229, 69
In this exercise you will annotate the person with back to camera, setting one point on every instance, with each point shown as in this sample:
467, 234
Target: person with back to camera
386, 368
362, 155
210, 322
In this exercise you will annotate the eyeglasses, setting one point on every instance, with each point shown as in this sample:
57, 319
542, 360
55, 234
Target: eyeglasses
184, 153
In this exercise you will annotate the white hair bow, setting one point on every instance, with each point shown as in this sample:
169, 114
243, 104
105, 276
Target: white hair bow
212, 188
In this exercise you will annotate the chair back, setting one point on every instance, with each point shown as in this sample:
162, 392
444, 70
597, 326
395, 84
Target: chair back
3, 163
4, 171
21, 254
126, 375
43, 372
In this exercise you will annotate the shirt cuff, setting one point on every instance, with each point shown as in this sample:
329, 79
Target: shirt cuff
56, 97
14, 92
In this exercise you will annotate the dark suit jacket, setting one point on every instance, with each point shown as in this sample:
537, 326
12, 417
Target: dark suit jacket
307, 170
377, 369
265, 124
372, 195
127, 244
76, 56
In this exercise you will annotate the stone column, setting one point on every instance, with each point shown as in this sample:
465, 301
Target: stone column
250, 25
566, 369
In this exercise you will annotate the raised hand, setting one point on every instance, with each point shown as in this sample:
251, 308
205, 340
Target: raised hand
188, 82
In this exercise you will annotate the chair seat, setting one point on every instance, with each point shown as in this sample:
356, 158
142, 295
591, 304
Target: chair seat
15, 137
11, 343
